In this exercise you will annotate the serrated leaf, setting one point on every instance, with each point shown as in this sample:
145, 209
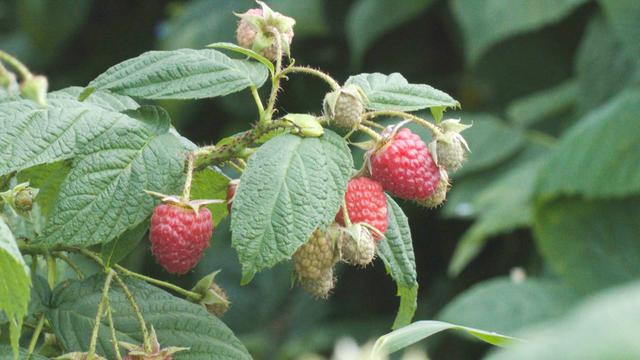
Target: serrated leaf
103, 195
211, 184
47, 178
591, 244
599, 152
181, 74
177, 322
291, 186
117, 249
368, 20
7, 354
394, 92
486, 23
396, 251
411, 334
244, 51
101, 98
505, 306
15, 283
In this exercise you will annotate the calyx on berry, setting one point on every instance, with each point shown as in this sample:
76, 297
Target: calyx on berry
138, 352
257, 27
345, 106
450, 147
214, 298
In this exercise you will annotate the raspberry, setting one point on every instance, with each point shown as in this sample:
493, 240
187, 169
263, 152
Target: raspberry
231, 193
450, 155
438, 197
321, 287
179, 236
357, 245
366, 203
315, 256
253, 31
404, 167
344, 106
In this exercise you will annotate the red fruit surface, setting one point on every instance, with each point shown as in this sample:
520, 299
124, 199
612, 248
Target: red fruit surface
405, 168
179, 236
366, 203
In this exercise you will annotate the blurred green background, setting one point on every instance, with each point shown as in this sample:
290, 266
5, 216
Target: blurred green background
545, 213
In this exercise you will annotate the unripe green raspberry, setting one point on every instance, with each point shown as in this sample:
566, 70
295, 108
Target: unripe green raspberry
357, 245
451, 155
439, 195
345, 106
320, 287
315, 256
24, 199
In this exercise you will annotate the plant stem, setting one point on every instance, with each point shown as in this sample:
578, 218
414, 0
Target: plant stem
51, 270
373, 124
275, 80
256, 98
96, 328
186, 191
114, 338
71, 264
35, 336
314, 72
186, 293
16, 64
137, 312
374, 135
435, 131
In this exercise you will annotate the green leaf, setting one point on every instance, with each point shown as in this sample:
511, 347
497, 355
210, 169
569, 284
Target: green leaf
291, 186
623, 16
505, 306
368, 20
15, 283
602, 67
411, 334
396, 251
247, 52
103, 195
118, 249
47, 178
506, 205
394, 92
7, 354
602, 327
597, 152
100, 98
491, 142
177, 322
181, 74
211, 184
543, 104
591, 244
486, 23
39, 299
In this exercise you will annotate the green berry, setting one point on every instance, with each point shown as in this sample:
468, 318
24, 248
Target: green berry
320, 287
345, 106
314, 257
357, 245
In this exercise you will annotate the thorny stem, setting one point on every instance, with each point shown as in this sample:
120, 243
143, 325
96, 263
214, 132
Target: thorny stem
311, 71
275, 80
71, 264
114, 339
435, 131
16, 64
256, 98
96, 328
374, 135
35, 336
186, 191
136, 310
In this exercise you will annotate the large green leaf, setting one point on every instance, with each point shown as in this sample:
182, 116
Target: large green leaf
103, 195
600, 153
623, 16
591, 244
368, 20
603, 327
505, 306
15, 283
411, 334
602, 68
394, 92
486, 23
101, 98
181, 74
291, 186
396, 251
176, 321
118, 249
211, 184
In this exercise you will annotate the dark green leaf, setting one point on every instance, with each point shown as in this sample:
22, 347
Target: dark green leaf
7, 354
623, 16
211, 184
544, 104
101, 98
117, 249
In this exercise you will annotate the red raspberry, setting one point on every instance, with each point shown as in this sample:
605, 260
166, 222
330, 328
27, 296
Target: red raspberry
179, 236
405, 167
366, 203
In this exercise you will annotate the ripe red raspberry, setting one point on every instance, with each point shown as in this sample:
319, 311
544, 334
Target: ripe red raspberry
179, 236
366, 203
404, 167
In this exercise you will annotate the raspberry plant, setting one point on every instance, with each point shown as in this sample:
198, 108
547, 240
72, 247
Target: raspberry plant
87, 171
